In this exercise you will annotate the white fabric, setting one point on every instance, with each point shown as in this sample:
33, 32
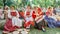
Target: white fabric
39, 19
28, 19
15, 32
53, 17
1, 14
26, 12
9, 14
15, 20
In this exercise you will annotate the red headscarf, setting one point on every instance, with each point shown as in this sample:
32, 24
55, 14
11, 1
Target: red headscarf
40, 11
33, 15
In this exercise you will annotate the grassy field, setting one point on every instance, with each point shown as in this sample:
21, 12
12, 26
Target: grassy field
0, 31
48, 31
36, 31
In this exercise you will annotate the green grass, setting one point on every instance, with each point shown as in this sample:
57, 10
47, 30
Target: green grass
0, 31
48, 31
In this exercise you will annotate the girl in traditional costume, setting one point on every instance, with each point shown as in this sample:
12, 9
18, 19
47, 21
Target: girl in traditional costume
39, 19
13, 21
28, 18
50, 18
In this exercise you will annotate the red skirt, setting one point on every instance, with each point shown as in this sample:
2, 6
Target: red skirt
29, 23
8, 26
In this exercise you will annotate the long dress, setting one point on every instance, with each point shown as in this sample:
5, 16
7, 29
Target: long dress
57, 24
12, 23
39, 19
28, 19
50, 19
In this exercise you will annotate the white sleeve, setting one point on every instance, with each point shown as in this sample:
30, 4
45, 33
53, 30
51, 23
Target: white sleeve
31, 12
17, 13
25, 14
9, 15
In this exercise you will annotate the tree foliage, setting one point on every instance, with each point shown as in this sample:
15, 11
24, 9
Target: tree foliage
1, 2
20, 3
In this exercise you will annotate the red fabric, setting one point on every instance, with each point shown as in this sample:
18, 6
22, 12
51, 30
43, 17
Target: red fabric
13, 13
39, 18
40, 11
21, 14
29, 23
33, 15
8, 26
27, 13
48, 13
40, 14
